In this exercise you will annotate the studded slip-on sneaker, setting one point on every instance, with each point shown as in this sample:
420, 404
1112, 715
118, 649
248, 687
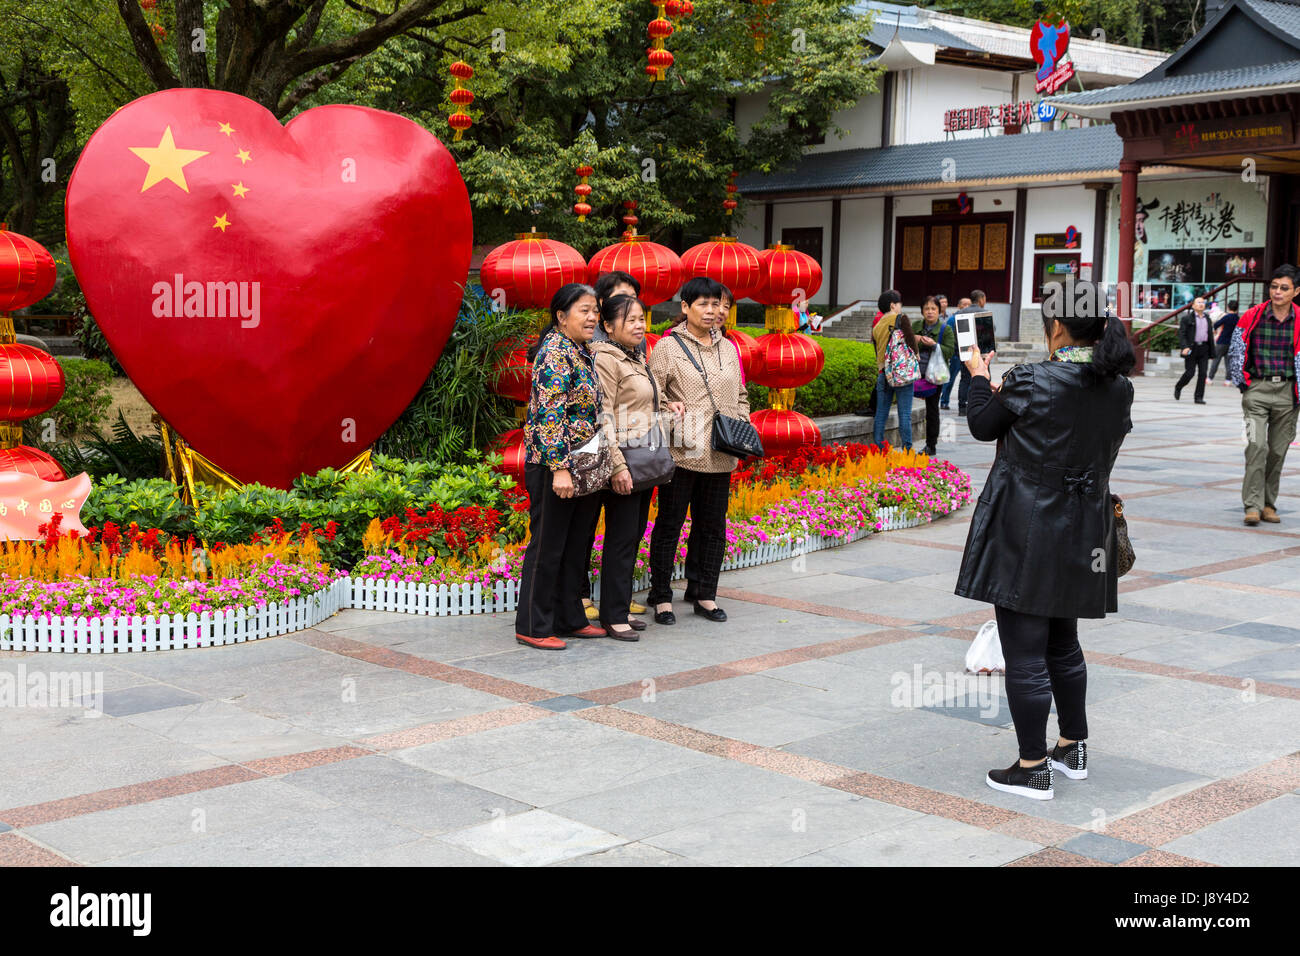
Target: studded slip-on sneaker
1032, 782
1072, 760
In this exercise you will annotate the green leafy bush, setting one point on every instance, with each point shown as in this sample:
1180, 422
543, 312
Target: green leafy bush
844, 386
91, 340
1162, 339
456, 410
123, 453
149, 502
85, 397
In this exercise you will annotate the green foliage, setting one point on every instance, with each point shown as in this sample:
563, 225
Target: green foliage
149, 502
456, 411
122, 453
85, 397
844, 386
1153, 24
91, 341
1162, 339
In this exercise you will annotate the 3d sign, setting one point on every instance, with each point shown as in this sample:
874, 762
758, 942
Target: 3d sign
1049, 45
277, 293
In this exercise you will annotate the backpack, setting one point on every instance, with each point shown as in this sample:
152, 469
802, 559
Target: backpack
902, 366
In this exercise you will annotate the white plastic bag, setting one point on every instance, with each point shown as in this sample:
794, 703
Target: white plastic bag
936, 370
985, 654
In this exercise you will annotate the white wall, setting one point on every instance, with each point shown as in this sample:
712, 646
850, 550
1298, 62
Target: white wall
924, 95
1051, 209
861, 251
919, 205
796, 215
861, 124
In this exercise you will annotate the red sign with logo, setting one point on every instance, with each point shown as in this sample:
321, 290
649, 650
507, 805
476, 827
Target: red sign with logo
1049, 45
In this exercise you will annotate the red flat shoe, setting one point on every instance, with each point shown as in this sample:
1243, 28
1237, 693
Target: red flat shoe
543, 643
591, 630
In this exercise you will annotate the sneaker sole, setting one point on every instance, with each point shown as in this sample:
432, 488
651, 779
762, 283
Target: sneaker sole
1072, 774
1020, 791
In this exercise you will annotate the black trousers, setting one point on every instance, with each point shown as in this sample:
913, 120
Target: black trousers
1044, 660
706, 495
556, 559
1194, 363
1220, 353
931, 419
591, 543
625, 519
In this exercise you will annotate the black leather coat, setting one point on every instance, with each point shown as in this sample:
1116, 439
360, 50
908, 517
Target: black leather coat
1042, 540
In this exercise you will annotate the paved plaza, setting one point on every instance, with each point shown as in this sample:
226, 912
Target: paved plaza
826, 724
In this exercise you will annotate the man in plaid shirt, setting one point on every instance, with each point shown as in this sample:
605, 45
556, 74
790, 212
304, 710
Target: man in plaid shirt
1264, 363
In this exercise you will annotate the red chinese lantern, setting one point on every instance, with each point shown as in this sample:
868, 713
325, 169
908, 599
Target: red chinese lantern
788, 360
27, 271
31, 381
656, 267
789, 272
733, 194
688, 8
630, 218
784, 431
747, 346
583, 190
31, 461
658, 58
727, 260
512, 376
531, 269
460, 120
673, 8
510, 445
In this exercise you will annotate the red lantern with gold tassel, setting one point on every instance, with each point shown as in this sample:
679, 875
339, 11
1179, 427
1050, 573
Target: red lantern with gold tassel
790, 277
656, 267
529, 270
461, 97
31, 381
660, 29
736, 265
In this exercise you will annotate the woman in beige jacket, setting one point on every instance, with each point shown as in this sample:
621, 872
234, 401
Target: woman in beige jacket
632, 403
702, 481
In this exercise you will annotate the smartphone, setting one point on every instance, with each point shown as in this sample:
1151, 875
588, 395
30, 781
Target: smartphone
964, 322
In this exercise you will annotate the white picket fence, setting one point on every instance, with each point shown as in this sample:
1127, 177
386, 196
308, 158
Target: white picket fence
79, 635
236, 625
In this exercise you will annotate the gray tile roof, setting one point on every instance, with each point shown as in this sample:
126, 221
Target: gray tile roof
1285, 17
1088, 150
1267, 74
883, 32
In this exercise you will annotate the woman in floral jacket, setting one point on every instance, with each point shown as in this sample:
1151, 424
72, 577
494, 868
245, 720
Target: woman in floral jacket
563, 416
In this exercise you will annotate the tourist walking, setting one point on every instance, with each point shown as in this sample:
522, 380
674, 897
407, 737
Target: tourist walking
1196, 343
697, 367
1042, 546
897, 367
607, 286
1223, 328
632, 406
563, 454
1263, 362
935, 332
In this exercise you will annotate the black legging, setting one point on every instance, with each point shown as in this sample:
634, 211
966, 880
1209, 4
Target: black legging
706, 494
931, 418
1044, 660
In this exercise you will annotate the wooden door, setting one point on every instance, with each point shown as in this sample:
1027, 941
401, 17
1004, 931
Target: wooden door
953, 255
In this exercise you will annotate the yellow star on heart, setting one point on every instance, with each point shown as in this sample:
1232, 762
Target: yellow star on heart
239, 188
225, 128
243, 156
221, 222
166, 161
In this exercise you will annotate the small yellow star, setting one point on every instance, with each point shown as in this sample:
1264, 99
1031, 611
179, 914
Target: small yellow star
221, 223
225, 128
243, 156
166, 161
239, 188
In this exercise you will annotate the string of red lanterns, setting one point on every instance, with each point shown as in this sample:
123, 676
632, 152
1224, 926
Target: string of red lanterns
461, 97
659, 59
757, 25
31, 381
733, 194
583, 190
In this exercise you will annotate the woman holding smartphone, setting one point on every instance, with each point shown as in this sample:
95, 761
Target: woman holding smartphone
1042, 542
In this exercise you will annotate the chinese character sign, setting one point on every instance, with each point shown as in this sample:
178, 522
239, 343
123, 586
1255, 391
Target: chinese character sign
27, 502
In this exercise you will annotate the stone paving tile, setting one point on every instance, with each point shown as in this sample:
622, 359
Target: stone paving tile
628, 854
1203, 651
363, 717
780, 830
705, 700
1278, 667
767, 725
318, 838
892, 739
1266, 835
17, 850
607, 765
403, 794
431, 851
95, 837
1098, 846
136, 700
641, 810
924, 841
536, 838
229, 731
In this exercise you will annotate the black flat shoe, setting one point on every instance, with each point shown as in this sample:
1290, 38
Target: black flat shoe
636, 623
665, 617
717, 614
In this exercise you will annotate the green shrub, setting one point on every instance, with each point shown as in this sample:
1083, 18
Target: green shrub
149, 502
1162, 339
123, 453
844, 385
91, 340
85, 397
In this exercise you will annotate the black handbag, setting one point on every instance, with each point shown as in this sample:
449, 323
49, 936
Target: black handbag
648, 459
1124, 555
731, 436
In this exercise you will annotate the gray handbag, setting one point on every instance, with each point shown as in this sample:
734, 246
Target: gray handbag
648, 459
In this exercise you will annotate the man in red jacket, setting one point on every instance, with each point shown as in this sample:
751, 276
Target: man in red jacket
1264, 363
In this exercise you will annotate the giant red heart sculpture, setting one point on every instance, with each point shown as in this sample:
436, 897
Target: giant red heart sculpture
277, 293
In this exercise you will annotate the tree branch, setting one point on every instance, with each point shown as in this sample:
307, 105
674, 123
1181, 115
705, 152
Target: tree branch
313, 83
307, 30
146, 49
193, 64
